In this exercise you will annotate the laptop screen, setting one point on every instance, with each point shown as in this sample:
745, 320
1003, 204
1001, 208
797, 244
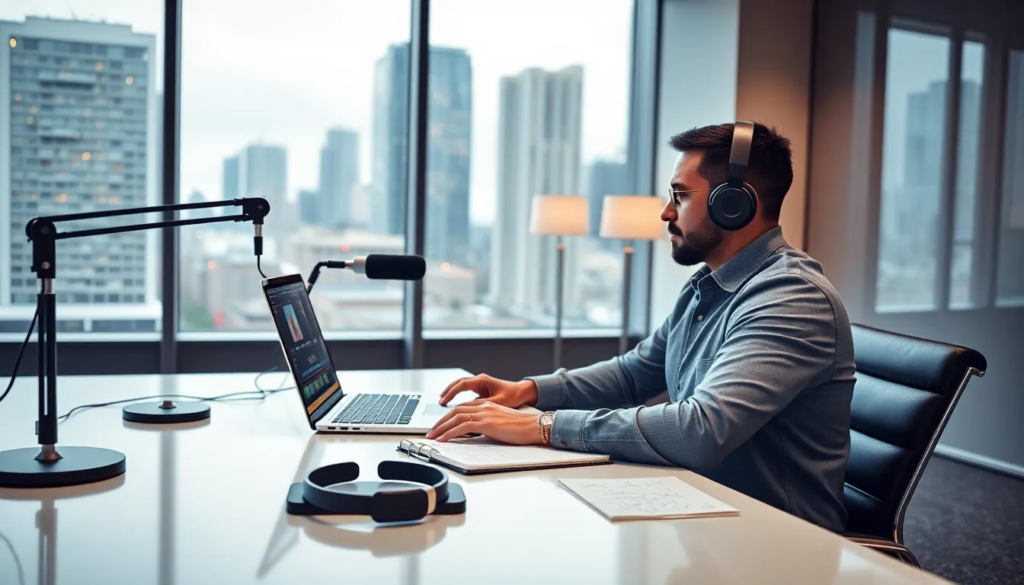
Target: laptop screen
303, 345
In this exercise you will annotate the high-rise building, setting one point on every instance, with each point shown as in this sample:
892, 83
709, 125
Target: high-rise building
261, 170
450, 109
450, 117
339, 172
538, 153
78, 105
604, 177
230, 180
308, 207
390, 143
915, 202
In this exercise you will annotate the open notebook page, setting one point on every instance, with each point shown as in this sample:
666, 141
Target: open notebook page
646, 498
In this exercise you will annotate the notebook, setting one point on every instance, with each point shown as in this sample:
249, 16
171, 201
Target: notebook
646, 498
476, 455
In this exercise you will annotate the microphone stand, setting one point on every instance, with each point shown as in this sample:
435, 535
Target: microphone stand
25, 468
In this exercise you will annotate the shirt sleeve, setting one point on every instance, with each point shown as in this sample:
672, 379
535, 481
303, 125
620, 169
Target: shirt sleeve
779, 340
622, 381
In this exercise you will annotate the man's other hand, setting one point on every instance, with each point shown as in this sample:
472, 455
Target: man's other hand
503, 392
500, 423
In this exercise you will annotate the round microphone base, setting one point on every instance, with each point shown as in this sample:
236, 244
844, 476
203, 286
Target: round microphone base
20, 468
166, 412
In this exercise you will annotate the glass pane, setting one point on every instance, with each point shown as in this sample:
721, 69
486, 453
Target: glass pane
964, 289
915, 106
287, 106
549, 117
1010, 279
84, 134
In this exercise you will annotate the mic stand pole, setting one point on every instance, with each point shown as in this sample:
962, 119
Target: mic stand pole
27, 468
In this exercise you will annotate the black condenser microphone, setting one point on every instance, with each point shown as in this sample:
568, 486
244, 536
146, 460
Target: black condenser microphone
376, 267
389, 267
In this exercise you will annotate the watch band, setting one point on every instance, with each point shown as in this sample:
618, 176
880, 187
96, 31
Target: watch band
545, 422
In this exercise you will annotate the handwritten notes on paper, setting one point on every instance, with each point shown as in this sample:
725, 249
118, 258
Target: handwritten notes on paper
646, 498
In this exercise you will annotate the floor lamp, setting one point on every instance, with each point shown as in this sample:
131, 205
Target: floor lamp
559, 215
630, 217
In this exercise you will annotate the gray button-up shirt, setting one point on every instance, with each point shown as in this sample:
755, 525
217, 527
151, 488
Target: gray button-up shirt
757, 359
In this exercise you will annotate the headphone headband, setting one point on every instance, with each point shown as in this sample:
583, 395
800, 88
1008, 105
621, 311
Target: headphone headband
739, 156
383, 506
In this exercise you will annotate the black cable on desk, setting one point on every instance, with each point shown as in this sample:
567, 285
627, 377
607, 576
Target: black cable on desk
17, 560
257, 394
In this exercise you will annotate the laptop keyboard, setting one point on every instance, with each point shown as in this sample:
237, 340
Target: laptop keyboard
379, 409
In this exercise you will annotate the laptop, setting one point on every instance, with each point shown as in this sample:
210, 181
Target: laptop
328, 407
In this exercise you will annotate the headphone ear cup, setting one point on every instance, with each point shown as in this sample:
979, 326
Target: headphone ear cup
732, 208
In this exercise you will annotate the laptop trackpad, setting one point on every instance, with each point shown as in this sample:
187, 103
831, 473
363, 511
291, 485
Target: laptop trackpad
434, 409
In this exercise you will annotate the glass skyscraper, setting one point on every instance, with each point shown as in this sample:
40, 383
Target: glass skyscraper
450, 110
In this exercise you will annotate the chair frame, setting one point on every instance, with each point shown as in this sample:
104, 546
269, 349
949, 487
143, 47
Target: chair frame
896, 547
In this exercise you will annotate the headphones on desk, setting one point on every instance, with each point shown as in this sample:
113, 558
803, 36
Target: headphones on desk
383, 506
733, 204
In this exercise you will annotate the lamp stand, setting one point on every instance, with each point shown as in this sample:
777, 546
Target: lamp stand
627, 272
559, 284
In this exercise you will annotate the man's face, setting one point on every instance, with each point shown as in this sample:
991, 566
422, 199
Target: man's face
693, 234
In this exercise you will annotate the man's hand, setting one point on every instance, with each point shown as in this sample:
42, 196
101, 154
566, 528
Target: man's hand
500, 423
503, 392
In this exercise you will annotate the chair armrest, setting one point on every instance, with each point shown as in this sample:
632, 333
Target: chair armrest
885, 546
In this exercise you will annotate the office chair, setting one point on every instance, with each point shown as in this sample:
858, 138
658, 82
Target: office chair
905, 393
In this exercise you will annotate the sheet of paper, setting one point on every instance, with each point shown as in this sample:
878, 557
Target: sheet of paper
480, 452
646, 497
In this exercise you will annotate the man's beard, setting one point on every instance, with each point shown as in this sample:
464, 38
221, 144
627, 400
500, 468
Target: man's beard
696, 245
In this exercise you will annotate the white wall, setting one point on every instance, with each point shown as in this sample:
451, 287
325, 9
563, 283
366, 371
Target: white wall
698, 87
774, 87
728, 59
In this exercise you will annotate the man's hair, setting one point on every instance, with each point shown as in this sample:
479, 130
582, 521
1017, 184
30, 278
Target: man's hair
769, 171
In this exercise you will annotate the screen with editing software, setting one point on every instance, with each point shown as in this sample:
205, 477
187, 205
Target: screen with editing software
304, 346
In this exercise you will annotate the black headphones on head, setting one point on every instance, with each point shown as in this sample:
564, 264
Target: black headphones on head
732, 205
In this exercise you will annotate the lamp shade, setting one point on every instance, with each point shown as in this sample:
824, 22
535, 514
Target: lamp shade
632, 217
559, 215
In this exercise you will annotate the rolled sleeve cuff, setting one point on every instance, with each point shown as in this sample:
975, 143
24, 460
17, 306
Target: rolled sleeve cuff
567, 430
549, 391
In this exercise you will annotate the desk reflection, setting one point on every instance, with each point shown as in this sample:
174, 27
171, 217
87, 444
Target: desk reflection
46, 522
350, 531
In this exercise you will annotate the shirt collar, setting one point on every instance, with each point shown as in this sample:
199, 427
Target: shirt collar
745, 263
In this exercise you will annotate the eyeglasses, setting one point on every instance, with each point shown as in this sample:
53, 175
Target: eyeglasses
672, 193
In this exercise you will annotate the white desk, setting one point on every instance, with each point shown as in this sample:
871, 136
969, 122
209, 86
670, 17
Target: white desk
204, 503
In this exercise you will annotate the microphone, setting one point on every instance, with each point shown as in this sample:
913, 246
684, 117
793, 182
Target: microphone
388, 267
375, 267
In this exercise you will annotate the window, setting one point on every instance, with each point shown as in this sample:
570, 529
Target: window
275, 115
966, 285
547, 117
915, 119
50, 35
1010, 277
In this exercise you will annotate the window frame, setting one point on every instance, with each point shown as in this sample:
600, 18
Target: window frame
991, 128
171, 351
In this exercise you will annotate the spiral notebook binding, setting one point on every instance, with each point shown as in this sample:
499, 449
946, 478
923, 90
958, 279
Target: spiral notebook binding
417, 449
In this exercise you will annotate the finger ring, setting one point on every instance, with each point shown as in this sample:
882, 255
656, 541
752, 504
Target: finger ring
471, 418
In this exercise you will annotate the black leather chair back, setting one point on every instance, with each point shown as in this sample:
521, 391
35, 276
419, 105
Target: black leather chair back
906, 389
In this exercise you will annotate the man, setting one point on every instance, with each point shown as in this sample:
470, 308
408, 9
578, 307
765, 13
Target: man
756, 357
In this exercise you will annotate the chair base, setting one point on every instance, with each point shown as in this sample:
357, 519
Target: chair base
891, 548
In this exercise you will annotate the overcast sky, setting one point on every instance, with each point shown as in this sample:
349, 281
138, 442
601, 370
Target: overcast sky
283, 72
